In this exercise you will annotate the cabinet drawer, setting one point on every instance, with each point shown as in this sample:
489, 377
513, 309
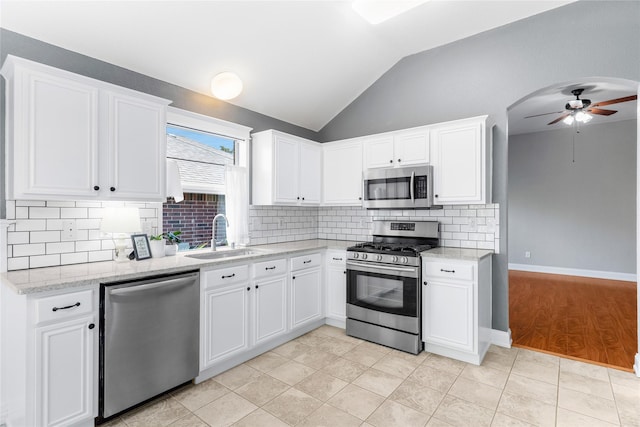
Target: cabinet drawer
225, 276
305, 261
336, 257
64, 306
269, 268
449, 270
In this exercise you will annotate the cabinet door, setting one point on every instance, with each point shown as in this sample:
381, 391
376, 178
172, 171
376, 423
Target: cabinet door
270, 308
65, 372
137, 140
337, 291
310, 174
286, 170
55, 143
458, 164
342, 174
411, 147
379, 152
306, 297
447, 314
226, 322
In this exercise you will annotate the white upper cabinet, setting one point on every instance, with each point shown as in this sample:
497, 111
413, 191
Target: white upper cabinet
396, 149
342, 173
72, 137
461, 158
286, 169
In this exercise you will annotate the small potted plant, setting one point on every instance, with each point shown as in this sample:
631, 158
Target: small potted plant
172, 238
157, 245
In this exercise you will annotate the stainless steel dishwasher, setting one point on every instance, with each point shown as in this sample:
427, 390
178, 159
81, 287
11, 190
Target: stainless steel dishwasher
149, 333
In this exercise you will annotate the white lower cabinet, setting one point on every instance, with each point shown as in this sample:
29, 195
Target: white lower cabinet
270, 295
336, 285
456, 308
49, 358
306, 290
65, 372
224, 314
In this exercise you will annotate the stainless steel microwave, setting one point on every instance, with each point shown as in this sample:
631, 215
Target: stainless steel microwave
398, 188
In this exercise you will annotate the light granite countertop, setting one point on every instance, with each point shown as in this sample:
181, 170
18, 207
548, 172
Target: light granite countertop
72, 276
462, 254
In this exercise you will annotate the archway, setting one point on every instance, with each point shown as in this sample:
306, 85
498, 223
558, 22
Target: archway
563, 226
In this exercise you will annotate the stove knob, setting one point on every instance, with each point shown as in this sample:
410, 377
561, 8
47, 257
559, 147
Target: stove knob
356, 254
394, 259
378, 257
364, 256
405, 260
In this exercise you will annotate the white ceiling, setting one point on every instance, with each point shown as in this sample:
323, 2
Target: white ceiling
553, 100
301, 61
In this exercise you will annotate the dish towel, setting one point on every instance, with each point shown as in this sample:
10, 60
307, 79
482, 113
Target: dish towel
174, 185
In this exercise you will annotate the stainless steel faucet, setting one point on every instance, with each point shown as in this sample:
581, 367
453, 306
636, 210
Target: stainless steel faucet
213, 230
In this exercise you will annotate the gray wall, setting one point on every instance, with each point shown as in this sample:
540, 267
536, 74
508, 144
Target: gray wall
487, 73
36, 50
578, 214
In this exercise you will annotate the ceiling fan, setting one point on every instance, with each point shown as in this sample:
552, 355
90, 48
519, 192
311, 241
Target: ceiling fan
581, 110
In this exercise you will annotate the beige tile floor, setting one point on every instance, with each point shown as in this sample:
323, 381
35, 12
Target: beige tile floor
326, 378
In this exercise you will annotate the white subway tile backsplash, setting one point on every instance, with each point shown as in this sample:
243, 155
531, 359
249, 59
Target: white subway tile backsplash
36, 241
44, 261
18, 263
29, 249
74, 213
44, 236
38, 212
74, 258
60, 247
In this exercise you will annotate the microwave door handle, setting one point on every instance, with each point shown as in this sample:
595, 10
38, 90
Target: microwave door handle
411, 190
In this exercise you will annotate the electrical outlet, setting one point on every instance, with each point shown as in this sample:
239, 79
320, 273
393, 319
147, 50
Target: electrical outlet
280, 222
527, 254
473, 224
69, 231
362, 223
491, 225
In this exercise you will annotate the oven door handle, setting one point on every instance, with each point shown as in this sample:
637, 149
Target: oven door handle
411, 189
373, 268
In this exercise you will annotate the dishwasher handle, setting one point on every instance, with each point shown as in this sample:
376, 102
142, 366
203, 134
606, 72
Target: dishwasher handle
181, 281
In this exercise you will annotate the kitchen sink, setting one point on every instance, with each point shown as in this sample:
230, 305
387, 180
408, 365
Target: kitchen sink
225, 253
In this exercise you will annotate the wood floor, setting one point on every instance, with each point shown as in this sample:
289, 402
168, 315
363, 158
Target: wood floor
583, 318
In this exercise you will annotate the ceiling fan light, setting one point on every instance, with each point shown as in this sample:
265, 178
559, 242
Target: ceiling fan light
583, 117
568, 120
226, 85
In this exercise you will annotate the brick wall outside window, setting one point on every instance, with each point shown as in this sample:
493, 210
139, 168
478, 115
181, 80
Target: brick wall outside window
194, 217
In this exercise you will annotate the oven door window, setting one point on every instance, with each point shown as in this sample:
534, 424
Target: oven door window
382, 292
388, 189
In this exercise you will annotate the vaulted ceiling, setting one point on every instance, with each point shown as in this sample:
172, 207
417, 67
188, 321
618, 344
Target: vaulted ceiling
301, 61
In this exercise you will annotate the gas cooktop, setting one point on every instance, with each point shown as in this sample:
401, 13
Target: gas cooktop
390, 248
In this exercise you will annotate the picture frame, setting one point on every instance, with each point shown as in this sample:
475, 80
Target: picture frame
141, 246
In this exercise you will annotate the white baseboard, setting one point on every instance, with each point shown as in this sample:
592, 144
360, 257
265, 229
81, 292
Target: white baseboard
611, 275
636, 366
501, 338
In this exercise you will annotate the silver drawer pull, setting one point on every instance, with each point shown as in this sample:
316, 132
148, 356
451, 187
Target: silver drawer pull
270, 268
447, 271
67, 307
337, 259
229, 276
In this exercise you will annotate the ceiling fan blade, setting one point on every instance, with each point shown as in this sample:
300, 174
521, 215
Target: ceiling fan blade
558, 119
615, 101
544, 114
601, 111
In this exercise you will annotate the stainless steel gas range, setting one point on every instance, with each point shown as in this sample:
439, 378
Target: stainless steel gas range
383, 284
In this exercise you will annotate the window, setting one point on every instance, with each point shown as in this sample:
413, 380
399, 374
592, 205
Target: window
202, 147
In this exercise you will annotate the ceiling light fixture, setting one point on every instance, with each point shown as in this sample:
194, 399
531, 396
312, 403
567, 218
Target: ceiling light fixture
377, 11
579, 116
226, 86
